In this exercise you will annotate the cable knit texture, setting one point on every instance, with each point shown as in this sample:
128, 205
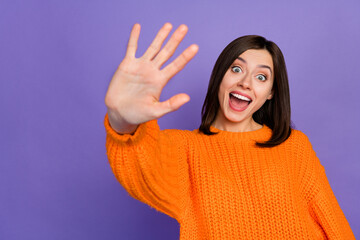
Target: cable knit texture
224, 187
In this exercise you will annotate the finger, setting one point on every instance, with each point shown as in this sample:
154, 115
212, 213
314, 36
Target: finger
155, 46
179, 63
172, 104
133, 40
170, 47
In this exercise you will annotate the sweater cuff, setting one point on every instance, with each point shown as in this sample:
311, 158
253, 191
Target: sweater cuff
127, 137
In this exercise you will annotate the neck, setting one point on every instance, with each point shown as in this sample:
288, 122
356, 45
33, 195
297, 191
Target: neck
246, 125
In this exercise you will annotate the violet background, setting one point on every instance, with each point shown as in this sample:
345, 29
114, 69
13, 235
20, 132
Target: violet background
57, 59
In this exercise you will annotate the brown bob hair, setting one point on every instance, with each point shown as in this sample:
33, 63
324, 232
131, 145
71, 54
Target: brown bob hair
275, 113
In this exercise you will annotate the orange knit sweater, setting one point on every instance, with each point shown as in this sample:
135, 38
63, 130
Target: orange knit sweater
224, 187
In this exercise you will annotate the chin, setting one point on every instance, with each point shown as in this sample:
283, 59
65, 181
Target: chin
231, 117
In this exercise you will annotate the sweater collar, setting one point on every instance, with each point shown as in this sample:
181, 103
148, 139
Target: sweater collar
262, 134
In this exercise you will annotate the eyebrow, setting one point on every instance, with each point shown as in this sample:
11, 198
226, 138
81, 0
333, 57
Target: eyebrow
262, 66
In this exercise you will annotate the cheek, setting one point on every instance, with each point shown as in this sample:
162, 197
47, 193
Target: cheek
225, 86
264, 95
262, 90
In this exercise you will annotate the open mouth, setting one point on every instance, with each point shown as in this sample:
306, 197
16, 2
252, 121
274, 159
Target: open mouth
239, 102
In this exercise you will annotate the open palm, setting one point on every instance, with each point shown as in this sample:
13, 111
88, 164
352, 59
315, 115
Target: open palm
134, 91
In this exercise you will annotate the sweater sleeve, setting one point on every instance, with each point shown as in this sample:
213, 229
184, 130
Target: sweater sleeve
323, 205
150, 165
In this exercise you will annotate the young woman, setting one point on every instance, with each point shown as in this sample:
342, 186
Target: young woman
245, 173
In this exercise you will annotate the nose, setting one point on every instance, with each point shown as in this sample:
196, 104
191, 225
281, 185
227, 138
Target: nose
245, 81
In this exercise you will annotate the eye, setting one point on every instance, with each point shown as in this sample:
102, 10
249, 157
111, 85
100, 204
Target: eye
261, 77
236, 69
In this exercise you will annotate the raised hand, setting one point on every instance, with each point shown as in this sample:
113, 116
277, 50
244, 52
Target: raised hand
134, 91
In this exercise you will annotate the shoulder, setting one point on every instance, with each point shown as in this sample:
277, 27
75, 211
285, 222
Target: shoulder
299, 137
176, 132
178, 135
300, 142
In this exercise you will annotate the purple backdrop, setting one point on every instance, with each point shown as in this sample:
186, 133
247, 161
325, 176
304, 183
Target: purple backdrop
57, 59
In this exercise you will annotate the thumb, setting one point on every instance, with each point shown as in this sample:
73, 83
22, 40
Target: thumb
173, 103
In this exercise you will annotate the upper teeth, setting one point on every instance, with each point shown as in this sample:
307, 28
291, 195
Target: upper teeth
240, 97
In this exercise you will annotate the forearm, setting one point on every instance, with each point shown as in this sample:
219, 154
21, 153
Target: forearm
147, 164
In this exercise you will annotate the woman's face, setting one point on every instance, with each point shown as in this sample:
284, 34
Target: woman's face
245, 87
